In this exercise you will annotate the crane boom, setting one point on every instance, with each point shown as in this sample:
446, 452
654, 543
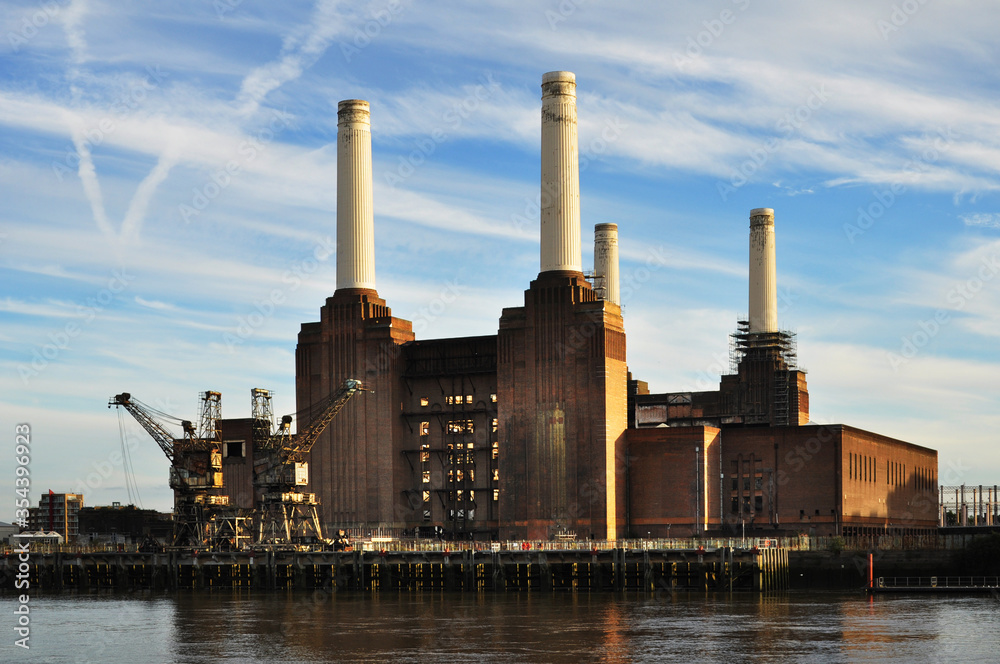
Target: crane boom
286, 514
143, 416
294, 448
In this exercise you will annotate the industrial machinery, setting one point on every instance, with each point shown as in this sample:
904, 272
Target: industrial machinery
195, 466
285, 514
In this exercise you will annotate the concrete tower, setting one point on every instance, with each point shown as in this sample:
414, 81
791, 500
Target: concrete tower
561, 375
355, 216
606, 260
560, 208
763, 272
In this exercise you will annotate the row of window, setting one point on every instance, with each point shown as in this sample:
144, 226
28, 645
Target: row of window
456, 427
758, 504
459, 495
459, 475
862, 467
455, 399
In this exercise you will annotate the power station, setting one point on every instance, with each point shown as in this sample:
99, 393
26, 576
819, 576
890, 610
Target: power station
539, 431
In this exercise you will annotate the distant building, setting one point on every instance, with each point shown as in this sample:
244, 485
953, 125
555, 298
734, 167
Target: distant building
7, 530
57, 512
119, 523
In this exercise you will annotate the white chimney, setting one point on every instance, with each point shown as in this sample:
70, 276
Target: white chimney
763, 272
606, 260
355, 217
560, 203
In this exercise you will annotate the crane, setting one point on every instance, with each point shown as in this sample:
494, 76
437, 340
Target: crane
286, 515
195, 466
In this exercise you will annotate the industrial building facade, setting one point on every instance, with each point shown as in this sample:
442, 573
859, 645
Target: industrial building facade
539, 432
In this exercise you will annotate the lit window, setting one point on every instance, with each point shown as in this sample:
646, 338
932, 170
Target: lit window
496, 494
425, 428
496, 474
424, 401
460, 426
427, 477
471, 446
459, 495
449, 399
427, 496
468, 398
472, 475
494, 425
472, 496
493, 397
459, 475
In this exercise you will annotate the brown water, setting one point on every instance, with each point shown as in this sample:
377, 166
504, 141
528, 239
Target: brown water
201, 627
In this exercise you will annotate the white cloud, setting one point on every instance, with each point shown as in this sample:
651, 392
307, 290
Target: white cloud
985, 220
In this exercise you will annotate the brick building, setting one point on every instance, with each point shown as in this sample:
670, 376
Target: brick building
538, 431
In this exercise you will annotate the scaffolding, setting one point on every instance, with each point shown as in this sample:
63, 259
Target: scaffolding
768, 360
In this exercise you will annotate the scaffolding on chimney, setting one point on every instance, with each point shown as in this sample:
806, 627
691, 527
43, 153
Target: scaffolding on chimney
761, 348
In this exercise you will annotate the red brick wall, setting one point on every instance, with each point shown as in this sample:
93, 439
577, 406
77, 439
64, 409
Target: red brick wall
561, 381
672, 480
353, 466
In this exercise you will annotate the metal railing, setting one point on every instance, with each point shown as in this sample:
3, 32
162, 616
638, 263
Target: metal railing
931, 541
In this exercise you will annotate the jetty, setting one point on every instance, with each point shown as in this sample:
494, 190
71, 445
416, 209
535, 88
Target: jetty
468, 569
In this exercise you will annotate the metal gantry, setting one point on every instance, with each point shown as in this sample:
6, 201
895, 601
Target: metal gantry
195, 467
285, 515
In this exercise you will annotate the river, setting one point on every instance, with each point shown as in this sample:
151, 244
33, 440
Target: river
209, 627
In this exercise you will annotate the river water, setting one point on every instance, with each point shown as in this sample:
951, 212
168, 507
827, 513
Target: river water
203, 627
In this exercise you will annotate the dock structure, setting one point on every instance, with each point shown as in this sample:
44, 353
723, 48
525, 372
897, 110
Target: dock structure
936, 585
652, 570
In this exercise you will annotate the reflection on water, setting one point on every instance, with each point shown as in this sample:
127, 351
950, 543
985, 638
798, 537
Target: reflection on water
202, 627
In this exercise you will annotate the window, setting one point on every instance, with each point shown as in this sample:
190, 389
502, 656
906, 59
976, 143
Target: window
735, 506
493, 397
496, 474
460, 426
496, 449
425, 454
470, 446
495, 425
468, 398
427, 515
472, 475
758, 483
496, 494
427, 496
736, 484
424, 401
746, 483
427, 477
758, 504
425, 428
233, 449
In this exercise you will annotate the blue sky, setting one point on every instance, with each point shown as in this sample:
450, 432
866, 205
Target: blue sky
168, 179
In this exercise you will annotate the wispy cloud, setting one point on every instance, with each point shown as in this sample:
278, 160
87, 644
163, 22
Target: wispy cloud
984, 220
298, 54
